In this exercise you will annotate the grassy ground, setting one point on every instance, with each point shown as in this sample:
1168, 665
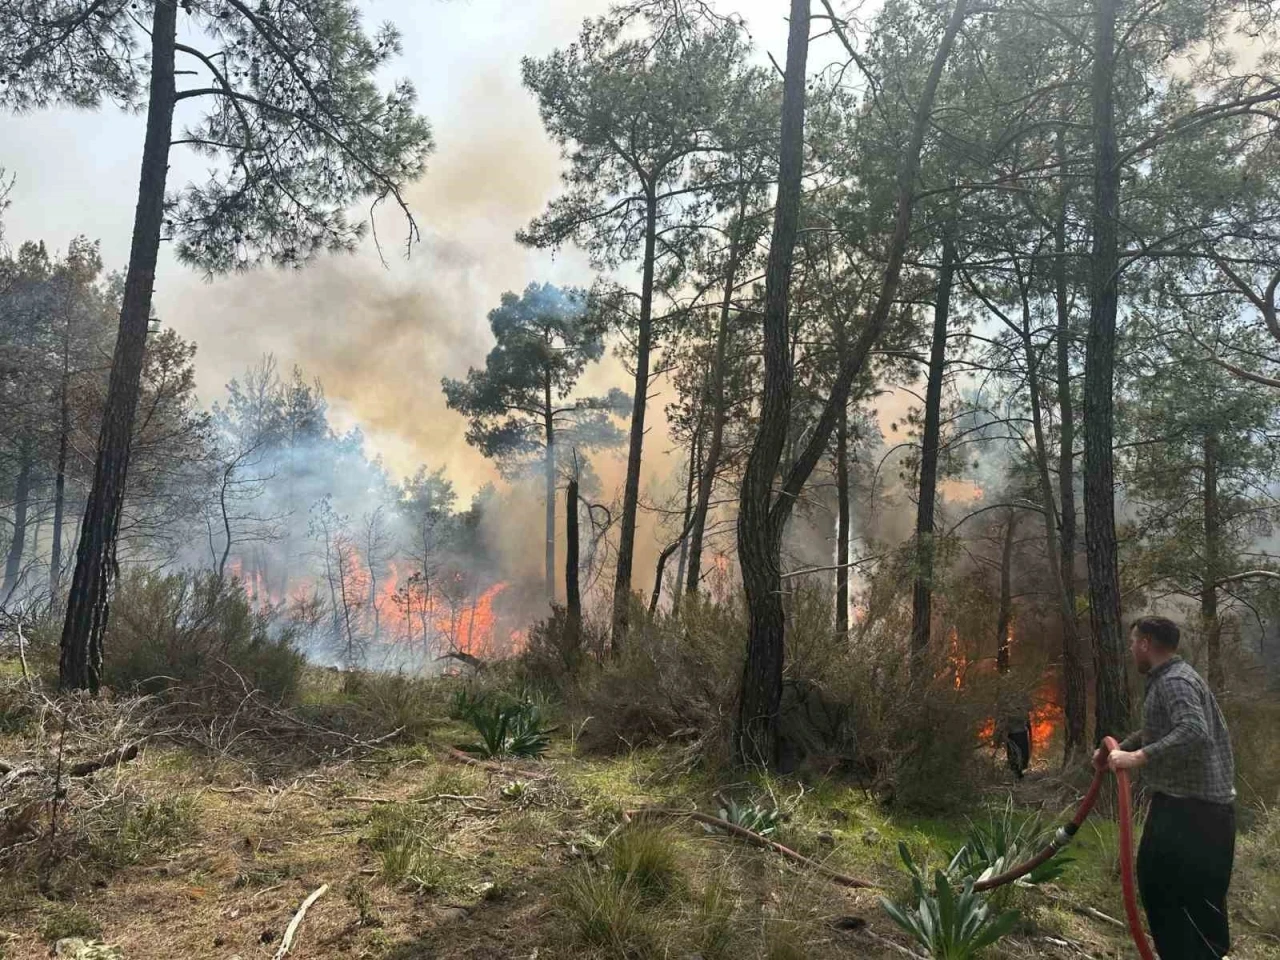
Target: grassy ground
425, 857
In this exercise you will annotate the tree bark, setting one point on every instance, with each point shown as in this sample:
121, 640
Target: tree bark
719, 405
88, 607
549, 476
759, 530
761, 516
573, 599
690, 491
842, 525
1075, 695
60, 470
631, 490
922, 588
1212, 551
1004, 618
17, 546
1111, 715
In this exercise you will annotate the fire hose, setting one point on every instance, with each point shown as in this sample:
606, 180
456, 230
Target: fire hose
1064, 835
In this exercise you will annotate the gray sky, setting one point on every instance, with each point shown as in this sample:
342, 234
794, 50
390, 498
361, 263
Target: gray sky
380, 339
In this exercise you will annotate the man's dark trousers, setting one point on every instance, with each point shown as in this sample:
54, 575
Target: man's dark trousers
1184, 869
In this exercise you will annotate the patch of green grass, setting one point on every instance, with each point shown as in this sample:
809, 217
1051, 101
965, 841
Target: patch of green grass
130, 829
713, 923
450, 778
609, 914
61, 920
263, 877
647, 858
405, 840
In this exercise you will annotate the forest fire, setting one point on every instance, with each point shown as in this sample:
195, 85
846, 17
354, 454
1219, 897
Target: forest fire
396, 615
1045, 715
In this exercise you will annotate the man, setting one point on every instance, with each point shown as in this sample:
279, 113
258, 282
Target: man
1188, 841
1015, 711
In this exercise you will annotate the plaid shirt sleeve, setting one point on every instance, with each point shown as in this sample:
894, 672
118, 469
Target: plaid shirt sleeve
1181, 704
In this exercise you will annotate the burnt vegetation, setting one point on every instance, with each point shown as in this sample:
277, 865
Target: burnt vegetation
910, 355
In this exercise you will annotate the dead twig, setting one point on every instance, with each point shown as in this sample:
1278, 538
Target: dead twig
752, 837
296, 922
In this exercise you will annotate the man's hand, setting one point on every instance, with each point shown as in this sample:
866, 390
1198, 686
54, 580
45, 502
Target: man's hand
1100, 758
1126, 760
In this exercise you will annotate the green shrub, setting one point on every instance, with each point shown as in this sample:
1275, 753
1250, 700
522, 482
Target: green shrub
374, 704
196, 630
61, 920
673, 679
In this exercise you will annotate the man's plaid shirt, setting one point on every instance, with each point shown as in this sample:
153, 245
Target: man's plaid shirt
1184, 737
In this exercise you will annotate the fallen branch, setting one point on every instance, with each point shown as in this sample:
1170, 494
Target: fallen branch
296, 922
752, 837
1084, 911
121, 754
465, 800
453, 753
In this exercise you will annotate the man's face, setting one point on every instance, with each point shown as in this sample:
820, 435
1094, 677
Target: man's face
1140, 647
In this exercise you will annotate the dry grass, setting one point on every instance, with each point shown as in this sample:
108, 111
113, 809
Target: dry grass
426, 857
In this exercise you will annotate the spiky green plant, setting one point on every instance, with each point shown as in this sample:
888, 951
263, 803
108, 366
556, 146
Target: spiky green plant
1004, 841
753, 816
949, 924
512, 730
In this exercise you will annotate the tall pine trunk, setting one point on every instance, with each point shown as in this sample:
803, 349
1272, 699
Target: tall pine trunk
1111, 714
759, 526
922, 588
842, 525
631, 489
1075, 694
80, 666
1071, 678
572, 597
719, 404
549, 478
21, 501
690, 493
1004, 618
1212, 551
60, 469
761, 516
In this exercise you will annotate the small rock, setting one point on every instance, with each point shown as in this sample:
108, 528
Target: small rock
826, 839
871, 836
443, 915
77, 948
839, 816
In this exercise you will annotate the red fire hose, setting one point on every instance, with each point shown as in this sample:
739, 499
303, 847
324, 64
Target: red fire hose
1064, 835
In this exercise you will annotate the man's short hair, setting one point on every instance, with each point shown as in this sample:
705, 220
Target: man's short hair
1161, 631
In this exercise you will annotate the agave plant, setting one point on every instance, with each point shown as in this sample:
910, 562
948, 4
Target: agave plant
513, 730
949, 923
755, 817
1003, 842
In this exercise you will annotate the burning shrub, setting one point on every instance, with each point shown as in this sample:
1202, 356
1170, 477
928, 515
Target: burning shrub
196, 630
